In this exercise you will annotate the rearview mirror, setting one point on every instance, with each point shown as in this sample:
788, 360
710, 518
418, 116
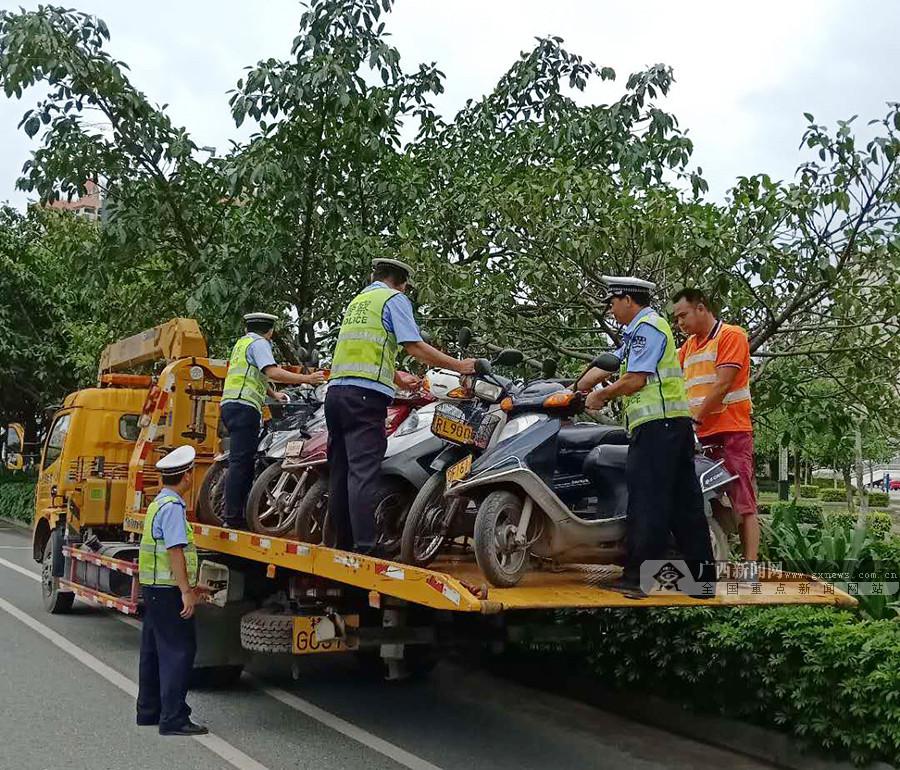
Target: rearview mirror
464, 337
302, 354
482, 366
314, 358
509, 357
608, 362
548, 368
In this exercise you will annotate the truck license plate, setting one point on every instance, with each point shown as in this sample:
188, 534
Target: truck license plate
460, 470
306, 643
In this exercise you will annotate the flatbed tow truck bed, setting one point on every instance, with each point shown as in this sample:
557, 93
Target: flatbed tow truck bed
456, 584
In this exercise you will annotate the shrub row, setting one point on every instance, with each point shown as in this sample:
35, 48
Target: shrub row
820, 673
809, 490
17, 500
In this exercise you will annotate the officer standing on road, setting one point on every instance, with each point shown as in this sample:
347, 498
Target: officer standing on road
168, 574
663, 492
250, 368
363, 376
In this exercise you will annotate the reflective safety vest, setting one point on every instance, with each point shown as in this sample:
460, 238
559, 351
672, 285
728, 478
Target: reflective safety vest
154, 564
364, 347
700, 357
663, 396
244, 382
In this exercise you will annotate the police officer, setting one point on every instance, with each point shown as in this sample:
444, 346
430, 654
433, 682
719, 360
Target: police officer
363, 376
663, 492
168, 575
250, 368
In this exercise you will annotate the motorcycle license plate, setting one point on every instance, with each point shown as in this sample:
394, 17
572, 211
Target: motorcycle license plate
452, 430
460, 470
293, 449
307, 643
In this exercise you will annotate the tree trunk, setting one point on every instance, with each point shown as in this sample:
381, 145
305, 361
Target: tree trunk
848, 486
797, 471
860, 470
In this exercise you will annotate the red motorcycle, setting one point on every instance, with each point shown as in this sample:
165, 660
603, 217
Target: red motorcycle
307, 462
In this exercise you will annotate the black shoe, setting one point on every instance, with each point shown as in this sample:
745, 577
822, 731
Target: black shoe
239, 525
629, 588
188, 728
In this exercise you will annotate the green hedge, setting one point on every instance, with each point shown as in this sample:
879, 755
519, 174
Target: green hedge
833, 495
823, 482
17, 500
879, 498
809, 491
804, 513
820, 673
766, 485
879, 523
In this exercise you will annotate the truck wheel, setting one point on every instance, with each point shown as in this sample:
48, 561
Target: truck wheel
267, 630
211, 498
56, 602
273, 502
500, 559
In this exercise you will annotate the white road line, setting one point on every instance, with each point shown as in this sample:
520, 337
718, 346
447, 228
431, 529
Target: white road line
342, 726
16, 568
388, 749
233, 756
16, 547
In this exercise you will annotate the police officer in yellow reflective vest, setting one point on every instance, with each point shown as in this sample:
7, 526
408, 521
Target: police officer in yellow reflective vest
250, 368
168, 576
663, 492
363, 376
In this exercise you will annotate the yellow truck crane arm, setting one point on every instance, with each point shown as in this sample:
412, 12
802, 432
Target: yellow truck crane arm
178, 338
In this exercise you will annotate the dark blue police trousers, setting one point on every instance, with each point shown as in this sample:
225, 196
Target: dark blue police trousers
243, 422
168, 646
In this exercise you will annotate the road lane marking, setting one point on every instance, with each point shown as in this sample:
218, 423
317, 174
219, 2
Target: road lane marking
358, 734
23, 570
233, 756
342, 726
16, 547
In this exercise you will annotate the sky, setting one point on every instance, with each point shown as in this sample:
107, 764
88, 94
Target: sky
745, 72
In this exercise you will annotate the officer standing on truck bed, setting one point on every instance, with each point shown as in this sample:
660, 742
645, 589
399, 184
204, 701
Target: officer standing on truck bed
363, 376
663, 492
250, 368
167, 567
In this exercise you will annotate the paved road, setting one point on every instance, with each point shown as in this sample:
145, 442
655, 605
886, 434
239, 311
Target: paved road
67, 688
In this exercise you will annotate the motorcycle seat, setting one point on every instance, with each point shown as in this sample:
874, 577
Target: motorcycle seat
585, 436
604, 457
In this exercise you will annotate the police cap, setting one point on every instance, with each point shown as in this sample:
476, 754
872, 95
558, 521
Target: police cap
620, 285
395, 262
177, 461
260, 318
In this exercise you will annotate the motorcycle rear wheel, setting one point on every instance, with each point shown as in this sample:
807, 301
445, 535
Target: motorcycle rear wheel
211, 497
498, 516
274, 501
428, 522
309, 524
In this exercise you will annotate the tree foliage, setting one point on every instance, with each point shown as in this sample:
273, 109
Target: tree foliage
512, 210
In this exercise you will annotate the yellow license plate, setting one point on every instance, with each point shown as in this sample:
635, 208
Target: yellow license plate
452, 430
306, 643
460, 470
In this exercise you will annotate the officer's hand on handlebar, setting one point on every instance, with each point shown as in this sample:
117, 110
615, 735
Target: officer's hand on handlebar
314, 378
595, 399
280, 395
467, 366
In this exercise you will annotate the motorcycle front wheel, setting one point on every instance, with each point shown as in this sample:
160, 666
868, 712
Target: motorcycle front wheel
502, 561
309, 524
274, 500
211, 497
430, 519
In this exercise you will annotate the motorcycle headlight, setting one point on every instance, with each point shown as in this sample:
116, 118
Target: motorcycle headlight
515, 426
488, 391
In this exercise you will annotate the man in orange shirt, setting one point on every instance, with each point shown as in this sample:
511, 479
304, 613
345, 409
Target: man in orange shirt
716, 364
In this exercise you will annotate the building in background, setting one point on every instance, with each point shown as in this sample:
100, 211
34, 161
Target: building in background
89, 206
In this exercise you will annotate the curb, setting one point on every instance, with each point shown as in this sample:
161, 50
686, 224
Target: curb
777, 748
16, 523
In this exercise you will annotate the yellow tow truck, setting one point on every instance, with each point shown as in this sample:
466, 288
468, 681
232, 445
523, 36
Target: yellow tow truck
274, 595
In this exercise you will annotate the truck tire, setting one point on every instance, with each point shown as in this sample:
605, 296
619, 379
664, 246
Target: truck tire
418, 662
211, 498
56, 602
267, 630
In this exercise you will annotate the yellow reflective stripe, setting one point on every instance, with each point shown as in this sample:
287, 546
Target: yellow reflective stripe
367, 336
697, 401
742, 394
696, 358
703, 379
